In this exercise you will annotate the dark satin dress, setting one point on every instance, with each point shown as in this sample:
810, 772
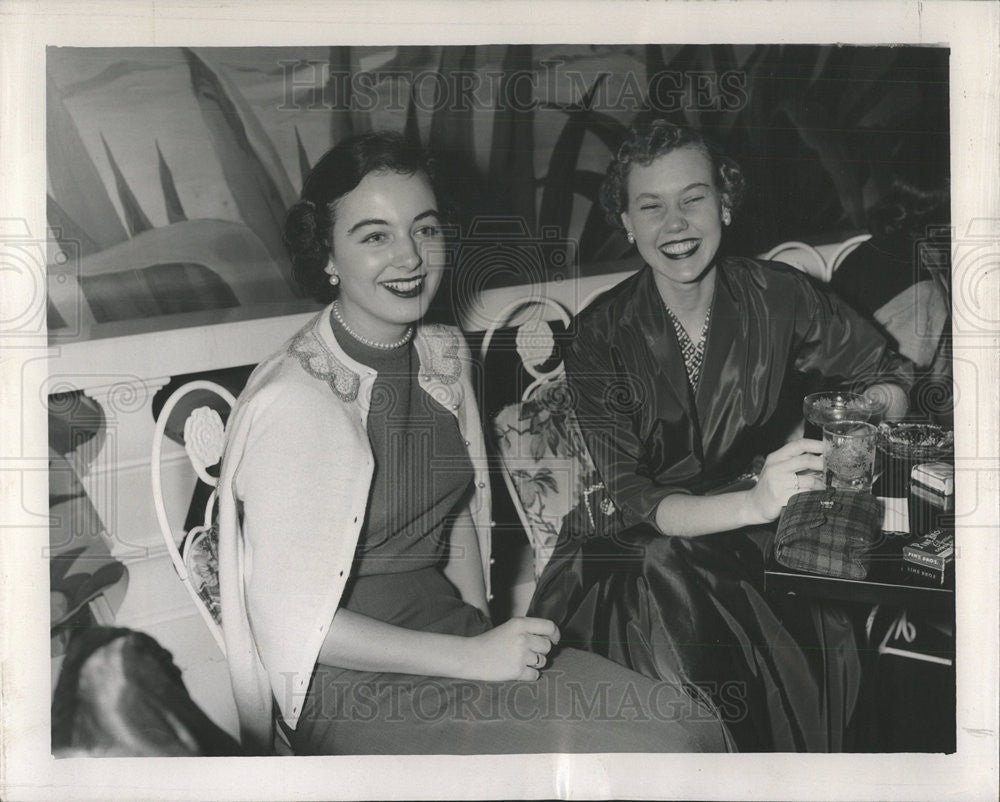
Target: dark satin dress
582, 702
784, 673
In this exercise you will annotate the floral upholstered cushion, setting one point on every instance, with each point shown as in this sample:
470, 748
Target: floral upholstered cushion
201, 558
549, 468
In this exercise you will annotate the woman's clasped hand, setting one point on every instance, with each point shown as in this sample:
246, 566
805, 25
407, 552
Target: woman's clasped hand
355, 526
515, 650
794, 468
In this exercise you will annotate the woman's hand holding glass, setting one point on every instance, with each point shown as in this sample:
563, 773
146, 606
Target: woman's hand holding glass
515, 650
794, 468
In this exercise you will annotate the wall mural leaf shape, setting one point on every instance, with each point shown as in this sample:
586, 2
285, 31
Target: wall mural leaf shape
172, 201
135, 217
260, 202
75, 183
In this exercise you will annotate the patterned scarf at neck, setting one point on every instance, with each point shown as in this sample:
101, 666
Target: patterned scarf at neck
693, 353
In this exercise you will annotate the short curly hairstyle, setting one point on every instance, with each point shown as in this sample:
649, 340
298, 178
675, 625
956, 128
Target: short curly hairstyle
645, 143
308, 234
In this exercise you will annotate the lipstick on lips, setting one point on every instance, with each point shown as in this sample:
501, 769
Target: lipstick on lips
405, 287
680, 249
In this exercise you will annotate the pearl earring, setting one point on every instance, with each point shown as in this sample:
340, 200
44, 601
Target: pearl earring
727, 217
334, 279
630, 237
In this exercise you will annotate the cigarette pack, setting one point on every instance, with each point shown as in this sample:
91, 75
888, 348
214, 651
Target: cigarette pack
925, 573
938, 477
935, 549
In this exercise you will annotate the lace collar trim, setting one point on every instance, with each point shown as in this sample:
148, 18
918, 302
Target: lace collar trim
322, 358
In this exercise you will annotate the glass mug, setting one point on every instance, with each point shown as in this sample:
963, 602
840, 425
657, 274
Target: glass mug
849, 461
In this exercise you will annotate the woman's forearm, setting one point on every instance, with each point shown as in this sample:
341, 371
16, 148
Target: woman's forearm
682, 515
361, 643
793, 468
508, 652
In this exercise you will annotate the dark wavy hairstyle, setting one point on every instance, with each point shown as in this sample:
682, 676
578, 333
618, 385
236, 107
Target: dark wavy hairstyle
918, 198
309, 225
645, 143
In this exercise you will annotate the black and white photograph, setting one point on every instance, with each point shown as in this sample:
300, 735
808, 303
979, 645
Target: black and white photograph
436, 400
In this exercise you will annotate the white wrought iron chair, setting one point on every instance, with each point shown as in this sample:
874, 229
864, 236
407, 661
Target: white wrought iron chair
818, 261
842, 251
194, 553
546, 466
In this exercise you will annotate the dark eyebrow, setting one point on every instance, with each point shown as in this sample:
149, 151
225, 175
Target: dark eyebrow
375, 221
695, 185
425, 215
371, 221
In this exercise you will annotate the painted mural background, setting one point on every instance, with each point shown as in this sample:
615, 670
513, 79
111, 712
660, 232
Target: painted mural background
170, 169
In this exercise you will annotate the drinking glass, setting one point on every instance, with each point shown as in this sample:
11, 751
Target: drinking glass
849, 461
819, 409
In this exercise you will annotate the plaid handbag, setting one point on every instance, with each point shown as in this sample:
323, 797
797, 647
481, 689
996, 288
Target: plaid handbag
828, 532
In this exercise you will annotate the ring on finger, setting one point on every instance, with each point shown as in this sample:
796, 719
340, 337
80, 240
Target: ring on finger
796, 483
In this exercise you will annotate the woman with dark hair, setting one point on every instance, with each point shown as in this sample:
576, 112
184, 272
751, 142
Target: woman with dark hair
354, 516
678, 376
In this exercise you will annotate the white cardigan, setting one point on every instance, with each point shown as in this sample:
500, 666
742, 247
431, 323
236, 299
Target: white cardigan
294, 487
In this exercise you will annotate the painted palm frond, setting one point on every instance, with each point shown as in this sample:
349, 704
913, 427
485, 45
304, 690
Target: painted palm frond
198, 264
260, 201
512, 164
451, 135
665, 67
304, 167
820, 134
110, 74
172, 201
599, 240
557, 198
412, 128
240, 112
338, 95
135, 217
75, 183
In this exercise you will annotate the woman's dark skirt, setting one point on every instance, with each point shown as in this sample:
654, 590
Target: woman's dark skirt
784, 673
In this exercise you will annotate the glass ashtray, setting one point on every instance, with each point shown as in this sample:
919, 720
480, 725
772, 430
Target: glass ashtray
916, 441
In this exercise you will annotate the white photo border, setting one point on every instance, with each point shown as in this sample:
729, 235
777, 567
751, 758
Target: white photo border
970, 29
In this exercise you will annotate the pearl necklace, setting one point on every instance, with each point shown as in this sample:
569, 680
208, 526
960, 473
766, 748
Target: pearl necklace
364, 340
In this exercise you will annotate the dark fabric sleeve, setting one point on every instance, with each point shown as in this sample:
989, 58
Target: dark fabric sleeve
607, 400
839, 345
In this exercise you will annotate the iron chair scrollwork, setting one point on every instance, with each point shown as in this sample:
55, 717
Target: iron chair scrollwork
194, 552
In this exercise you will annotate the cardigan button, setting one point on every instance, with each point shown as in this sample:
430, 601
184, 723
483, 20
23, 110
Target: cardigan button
482, 484
493, 560
468, 442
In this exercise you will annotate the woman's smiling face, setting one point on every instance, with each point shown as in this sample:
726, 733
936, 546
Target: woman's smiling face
675, 212
388, 250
